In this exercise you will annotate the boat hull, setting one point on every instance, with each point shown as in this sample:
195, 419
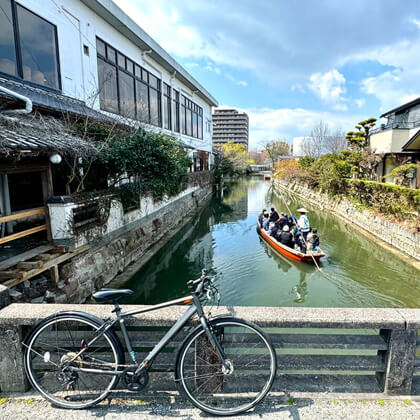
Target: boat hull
286, 251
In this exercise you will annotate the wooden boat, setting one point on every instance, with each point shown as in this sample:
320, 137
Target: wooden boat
285, 250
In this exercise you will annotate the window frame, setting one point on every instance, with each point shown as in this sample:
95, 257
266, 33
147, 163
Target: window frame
194, 109
18, 50
143, 77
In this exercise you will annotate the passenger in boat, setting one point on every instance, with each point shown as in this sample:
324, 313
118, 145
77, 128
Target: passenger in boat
286, 237
273, 230
282, 220
274, 216
291, 221
261, 216
313, 240
265, 222
300, 241
303, 222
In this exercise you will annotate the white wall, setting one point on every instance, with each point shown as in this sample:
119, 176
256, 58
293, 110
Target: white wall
298, 146
77, 25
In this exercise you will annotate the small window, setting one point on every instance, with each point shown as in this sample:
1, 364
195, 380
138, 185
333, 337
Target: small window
130, 66
100, 47
110, 54
86, 50
144, 75
137, 71
153, 81
121, 60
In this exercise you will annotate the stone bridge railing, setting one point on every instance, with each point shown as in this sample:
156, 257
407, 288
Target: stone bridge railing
318, 349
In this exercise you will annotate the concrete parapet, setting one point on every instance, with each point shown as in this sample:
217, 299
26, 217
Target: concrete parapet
318, 349
4, 296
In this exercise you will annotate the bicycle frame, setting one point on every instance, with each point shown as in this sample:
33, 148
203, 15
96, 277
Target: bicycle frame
195, 308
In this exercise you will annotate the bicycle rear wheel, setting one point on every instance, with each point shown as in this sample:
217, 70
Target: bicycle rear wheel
51, 347
216, 389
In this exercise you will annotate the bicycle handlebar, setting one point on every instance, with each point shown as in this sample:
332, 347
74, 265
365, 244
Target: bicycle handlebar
198, 286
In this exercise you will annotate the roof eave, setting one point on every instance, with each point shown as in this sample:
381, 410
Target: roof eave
414, 102
113, 15
412, 140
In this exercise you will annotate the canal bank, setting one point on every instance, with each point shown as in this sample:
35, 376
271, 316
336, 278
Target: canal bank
223, 238
394, 237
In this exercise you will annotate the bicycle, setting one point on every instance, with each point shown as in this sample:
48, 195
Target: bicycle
75, 359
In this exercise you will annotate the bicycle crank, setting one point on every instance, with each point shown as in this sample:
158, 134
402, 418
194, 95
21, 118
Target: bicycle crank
135, 382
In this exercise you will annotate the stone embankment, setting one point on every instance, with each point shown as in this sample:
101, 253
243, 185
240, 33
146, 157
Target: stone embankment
124, 238
135, 241
393, 234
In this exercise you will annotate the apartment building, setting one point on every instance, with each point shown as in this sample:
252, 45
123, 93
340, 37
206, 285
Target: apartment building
230, 125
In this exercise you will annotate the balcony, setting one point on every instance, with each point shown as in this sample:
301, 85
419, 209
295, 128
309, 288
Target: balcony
396, 125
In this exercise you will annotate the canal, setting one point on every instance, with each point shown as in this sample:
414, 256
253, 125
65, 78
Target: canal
223, 238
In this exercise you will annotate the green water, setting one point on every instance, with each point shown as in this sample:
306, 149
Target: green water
223, 238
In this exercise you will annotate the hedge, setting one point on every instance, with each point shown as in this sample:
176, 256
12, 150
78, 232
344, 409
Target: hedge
387, 198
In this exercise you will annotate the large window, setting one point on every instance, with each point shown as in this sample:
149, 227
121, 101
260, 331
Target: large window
28, 45
126, 88
175, 111
191, 118
167, 114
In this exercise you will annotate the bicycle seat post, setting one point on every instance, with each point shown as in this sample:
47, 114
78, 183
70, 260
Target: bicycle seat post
117, 308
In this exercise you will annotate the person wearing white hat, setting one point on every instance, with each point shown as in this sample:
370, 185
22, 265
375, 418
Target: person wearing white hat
303, 222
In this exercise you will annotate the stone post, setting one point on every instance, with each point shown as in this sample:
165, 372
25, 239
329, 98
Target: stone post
4, 296
12, 370
399, 361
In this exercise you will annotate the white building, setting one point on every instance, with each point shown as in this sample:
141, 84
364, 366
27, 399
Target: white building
298, 146
91, 51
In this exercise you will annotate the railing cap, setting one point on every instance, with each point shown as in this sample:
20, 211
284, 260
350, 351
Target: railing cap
285, 317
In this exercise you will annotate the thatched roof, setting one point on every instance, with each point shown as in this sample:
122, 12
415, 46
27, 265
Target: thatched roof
35, 134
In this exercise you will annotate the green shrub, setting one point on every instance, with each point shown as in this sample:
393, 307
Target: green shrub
387, 198
155, 161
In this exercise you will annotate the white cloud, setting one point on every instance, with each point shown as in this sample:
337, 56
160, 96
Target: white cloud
392, 88
329, 86
214, 69
360, 102
278, 44
242, 83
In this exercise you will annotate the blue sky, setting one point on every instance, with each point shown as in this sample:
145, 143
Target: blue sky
290, 64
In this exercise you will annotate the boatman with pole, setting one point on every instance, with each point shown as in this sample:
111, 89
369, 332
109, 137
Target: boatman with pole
303, 222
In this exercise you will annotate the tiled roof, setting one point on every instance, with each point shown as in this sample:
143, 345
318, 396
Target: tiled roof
40, 135
50, 100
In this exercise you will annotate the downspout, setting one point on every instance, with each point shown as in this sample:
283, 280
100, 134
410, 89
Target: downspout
28, 102
5, 181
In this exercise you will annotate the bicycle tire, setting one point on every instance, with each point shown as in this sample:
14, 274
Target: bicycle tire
57, 339
249, 352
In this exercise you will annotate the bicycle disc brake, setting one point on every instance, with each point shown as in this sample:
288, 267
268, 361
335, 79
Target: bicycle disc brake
135, 382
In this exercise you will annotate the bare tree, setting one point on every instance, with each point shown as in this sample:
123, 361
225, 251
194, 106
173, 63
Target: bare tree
322, 140
275, 149
314, 145
336, 142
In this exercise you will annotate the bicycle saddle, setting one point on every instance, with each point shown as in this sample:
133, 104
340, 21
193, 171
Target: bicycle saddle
104, 295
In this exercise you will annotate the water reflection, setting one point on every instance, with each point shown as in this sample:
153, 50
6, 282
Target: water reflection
223, 238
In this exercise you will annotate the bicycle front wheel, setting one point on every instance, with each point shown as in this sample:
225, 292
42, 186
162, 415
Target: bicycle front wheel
49, 364
239, 385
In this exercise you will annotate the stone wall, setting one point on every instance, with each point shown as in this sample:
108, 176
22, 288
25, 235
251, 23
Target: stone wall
114, 252
393, 234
